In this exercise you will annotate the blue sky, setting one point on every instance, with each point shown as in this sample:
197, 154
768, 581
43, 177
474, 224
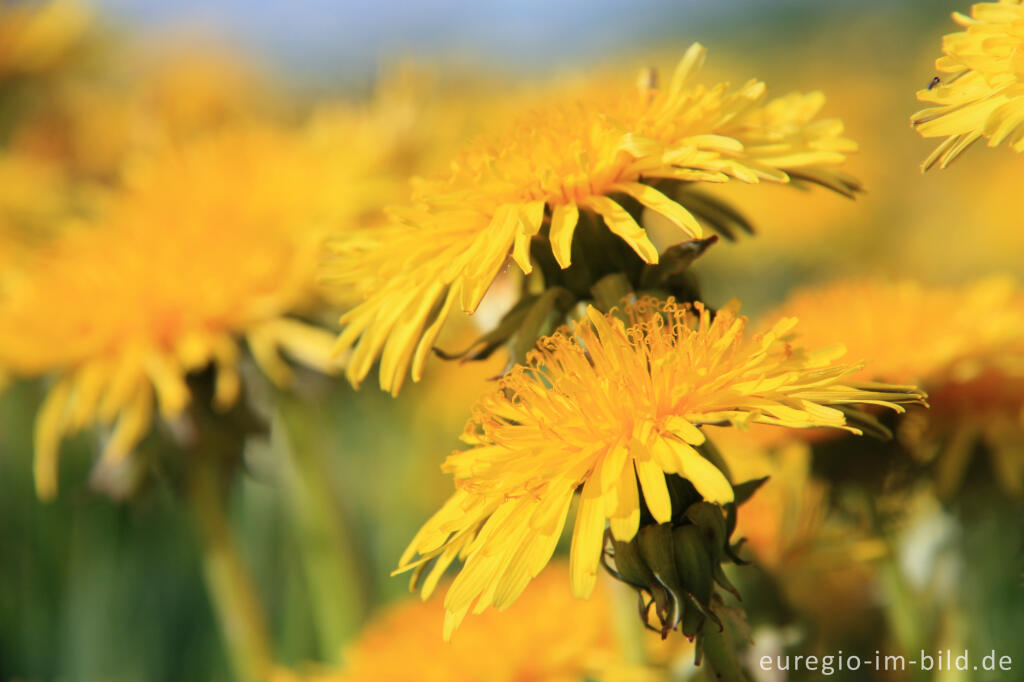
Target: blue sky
313, 34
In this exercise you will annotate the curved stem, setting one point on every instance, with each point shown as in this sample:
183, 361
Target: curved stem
235, 603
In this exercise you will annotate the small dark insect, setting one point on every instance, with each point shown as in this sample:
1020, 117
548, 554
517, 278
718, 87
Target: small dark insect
935, 81
647, 79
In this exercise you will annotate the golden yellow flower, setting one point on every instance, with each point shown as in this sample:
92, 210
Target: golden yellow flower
588, 150
599, 408
964, 345
210, 243
530, 641
913, 334
91, 125
190, 86
983, 93
824, 562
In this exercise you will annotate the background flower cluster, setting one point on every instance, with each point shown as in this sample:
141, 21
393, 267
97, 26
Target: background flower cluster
238, 199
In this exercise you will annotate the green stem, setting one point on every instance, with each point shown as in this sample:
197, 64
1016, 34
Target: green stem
235, 603
903, 612
326, 548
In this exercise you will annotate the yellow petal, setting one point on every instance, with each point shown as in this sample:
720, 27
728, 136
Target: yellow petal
169, 381
132, 425
662, 205
621, 223
705, 476
563, 224
531, 216
685, 430
625, 521
587, 540
690, 64
430, 335
312, 346
652, 480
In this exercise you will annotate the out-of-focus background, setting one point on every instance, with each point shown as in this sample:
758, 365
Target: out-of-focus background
91, 589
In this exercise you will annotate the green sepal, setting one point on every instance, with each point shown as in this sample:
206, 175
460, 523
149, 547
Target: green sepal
629, 566
656, 549
693, 562
709, 519
744, 491
719, 215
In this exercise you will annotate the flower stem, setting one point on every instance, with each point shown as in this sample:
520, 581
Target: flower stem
327, 552
235, 603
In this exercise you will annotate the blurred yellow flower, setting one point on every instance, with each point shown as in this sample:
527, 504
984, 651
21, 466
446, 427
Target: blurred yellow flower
983, 95
964, 345
91, 125
36, 37
823, 561
604, 406
589, 150
912, 334
209, 243
787, 523
190, 87
529, 641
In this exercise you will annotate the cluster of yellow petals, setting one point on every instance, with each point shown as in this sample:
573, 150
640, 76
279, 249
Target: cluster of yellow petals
580, 151
910, 333
547, 636
611, 408
980, 93
208, 243
962, 344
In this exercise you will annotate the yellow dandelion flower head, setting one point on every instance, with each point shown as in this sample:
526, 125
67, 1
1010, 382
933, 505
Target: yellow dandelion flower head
983, 94
210, 243
532, 640
590, 149
963, 344
611, 409
92, 126
914, 334
189, 86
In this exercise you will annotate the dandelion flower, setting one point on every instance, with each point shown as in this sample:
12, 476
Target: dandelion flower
524, 643
601, 409
964, 345
211, 243
910, 333
592, 151
983, 93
